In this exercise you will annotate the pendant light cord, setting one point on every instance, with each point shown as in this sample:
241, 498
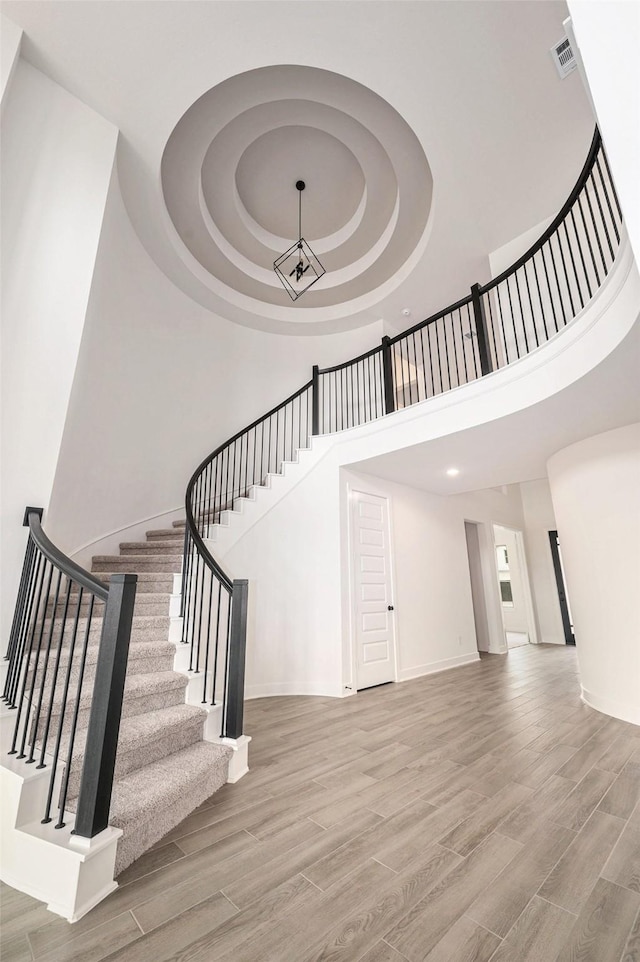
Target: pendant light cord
299, 215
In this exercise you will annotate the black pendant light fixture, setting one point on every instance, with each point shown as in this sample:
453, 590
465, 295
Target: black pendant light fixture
298, 268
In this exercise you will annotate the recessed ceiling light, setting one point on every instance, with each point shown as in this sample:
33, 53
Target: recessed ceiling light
452, 472
406, 312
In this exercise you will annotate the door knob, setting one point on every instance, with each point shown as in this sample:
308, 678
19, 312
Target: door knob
389, 607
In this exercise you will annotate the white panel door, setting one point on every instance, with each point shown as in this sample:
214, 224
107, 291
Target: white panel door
373, 604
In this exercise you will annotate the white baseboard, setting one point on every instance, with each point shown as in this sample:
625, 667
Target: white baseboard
289, 688
435, 666
616, 709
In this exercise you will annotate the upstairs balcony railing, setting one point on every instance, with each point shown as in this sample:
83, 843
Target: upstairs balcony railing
489, 328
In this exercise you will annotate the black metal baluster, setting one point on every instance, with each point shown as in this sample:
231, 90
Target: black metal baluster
206, 650
63, 709
542, 310
215, 658
74, 723
455, 350
16, 664
40, 616
439, 355
504, 336
533, 319
604, 222
555, 271
186, 589
423, 368
595, 230
553, 309
606, 196
584, 266
512, 315
566, 274
54, 680
35, 723
195, 638
26, 644
430, 356
586, 234
493, 334
464, 339
226, 670
19, 613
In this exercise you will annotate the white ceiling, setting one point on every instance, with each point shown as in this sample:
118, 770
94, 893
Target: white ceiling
470, 86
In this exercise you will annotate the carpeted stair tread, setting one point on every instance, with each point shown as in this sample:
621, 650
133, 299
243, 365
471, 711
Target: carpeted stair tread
135, 686
134, 563
150, 547
151, 801
145, 739
165, 533
141, 652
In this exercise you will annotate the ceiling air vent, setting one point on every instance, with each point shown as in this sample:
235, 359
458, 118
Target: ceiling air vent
563, 57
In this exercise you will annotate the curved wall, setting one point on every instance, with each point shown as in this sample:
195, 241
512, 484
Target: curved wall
595, 486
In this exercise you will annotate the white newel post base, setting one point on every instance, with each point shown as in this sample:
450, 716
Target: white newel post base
70, 874
239, 763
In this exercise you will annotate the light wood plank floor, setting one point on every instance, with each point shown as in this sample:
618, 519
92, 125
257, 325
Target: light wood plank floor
480, 814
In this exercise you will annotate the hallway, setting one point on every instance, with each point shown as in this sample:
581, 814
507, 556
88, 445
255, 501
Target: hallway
480, 814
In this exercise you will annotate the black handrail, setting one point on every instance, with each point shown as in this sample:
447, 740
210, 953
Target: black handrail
47, 679
492, 326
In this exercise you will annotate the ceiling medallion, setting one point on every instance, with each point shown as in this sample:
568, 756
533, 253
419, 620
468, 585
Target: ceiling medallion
298, 268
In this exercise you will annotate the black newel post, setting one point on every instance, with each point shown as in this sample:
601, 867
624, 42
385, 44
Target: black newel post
387, 373
237, 650
315, 401
481, 330
104, 721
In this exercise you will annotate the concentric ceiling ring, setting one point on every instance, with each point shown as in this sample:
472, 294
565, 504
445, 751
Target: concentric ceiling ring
229, 171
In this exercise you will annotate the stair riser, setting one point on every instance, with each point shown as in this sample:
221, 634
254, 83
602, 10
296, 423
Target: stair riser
152, 565
156, 634
155, 549
141, 608
166, 534
131, 761
157, 583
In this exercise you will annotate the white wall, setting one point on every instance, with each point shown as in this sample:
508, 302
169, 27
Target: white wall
56, 164
608, 35
161, 381
296, 557
10, 42
595, 486
509, 253
539, 520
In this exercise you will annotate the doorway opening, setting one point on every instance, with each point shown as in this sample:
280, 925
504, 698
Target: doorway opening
516, 604
565, 610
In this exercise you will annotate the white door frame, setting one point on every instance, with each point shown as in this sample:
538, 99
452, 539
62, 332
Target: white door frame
350, 686
526, 583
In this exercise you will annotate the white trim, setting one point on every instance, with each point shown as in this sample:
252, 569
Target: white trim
622, 710
289, 688
406, 674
